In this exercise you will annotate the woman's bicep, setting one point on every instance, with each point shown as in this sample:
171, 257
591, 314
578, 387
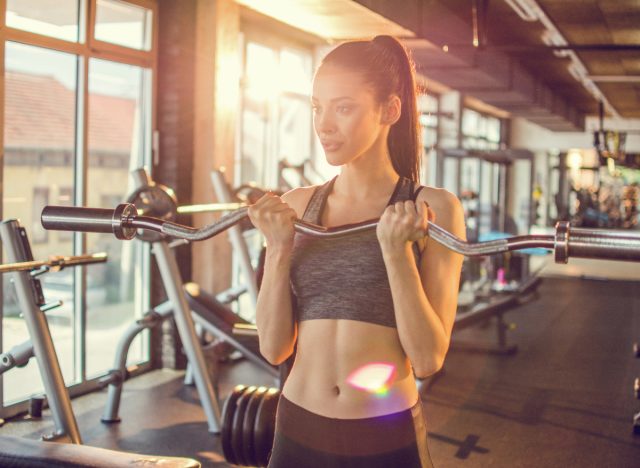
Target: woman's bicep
440, 267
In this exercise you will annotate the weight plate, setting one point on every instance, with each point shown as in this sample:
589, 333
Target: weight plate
228, 411
264, 426
247, 426
236, 425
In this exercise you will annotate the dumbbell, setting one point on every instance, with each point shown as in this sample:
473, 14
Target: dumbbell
248, 425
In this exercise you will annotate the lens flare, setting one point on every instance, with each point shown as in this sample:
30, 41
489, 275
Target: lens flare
374, 378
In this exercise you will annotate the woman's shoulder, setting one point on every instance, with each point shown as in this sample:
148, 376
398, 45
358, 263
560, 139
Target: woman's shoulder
298, 198
446, 205
438, 197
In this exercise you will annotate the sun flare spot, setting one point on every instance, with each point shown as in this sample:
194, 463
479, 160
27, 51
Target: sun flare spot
374, 378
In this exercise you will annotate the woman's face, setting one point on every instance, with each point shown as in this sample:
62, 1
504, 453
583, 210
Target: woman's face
346, 116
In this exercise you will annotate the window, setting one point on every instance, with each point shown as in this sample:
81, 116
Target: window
428, 108
40, 111
480, 131
122, 23
40, 200
276, 111
53, 18
275, 121
68, 142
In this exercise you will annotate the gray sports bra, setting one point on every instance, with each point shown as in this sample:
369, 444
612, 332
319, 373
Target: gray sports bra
343, 278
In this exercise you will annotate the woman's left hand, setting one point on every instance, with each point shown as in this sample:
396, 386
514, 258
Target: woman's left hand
403, 222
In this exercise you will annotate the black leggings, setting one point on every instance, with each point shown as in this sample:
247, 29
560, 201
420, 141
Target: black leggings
308, 440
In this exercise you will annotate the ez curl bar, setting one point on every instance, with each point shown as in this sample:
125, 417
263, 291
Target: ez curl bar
124, 222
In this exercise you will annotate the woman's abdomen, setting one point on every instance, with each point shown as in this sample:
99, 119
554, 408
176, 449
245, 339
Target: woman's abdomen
349, 369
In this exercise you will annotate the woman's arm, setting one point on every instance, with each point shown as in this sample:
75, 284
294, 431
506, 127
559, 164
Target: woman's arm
275, 320
425, 298
277, 330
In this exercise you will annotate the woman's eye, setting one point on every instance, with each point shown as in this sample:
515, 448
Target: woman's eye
344, 109
315, 109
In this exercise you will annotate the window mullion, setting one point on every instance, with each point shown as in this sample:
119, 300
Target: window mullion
3, 7
80, 199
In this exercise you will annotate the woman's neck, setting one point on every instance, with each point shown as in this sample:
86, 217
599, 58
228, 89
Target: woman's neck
369, 176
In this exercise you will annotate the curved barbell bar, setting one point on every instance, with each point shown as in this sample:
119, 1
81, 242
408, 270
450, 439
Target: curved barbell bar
566, 242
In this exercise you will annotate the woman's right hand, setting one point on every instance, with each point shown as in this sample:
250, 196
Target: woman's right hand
274, 218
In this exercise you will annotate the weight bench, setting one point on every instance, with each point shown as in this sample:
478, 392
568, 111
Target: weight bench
18, 452
219, 320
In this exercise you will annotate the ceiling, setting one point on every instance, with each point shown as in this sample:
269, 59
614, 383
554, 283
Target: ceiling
553, 67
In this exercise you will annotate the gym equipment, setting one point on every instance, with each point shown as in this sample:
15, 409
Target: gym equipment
159, 201
20, 453
24, 272
567, 241
123, 222
187, 304
55, 263
249, 415
226, 195
304, 172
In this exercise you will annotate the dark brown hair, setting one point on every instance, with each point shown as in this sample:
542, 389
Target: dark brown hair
386, 66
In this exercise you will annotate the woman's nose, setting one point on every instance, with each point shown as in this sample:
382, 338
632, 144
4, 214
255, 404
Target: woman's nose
325, 124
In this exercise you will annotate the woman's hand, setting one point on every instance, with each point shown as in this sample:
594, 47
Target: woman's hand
274, 218
403, 222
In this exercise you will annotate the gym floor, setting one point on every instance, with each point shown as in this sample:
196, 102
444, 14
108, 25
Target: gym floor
565, 399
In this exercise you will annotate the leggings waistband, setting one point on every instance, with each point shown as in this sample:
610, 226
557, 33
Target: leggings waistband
362, 436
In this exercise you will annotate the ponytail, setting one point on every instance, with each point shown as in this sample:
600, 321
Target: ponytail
386, 65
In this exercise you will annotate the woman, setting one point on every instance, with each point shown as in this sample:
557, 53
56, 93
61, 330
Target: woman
369, 312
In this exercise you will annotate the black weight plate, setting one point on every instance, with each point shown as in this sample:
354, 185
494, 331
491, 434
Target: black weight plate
247, 426
228, 411
236, 425
264, 425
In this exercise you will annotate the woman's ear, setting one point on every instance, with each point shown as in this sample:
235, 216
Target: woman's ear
391, 110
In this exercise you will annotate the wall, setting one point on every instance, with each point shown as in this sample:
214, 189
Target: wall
527, 135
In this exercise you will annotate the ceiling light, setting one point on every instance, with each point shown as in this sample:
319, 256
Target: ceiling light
523, 10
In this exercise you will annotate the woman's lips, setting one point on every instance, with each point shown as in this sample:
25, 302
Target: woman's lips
331, 145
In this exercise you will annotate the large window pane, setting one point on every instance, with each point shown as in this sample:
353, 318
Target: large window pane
428, 108
294, 130
276, 117
470, 122
39, 136
55, 18
260, 87
123, 24
480, 131
295, 71
117, 97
